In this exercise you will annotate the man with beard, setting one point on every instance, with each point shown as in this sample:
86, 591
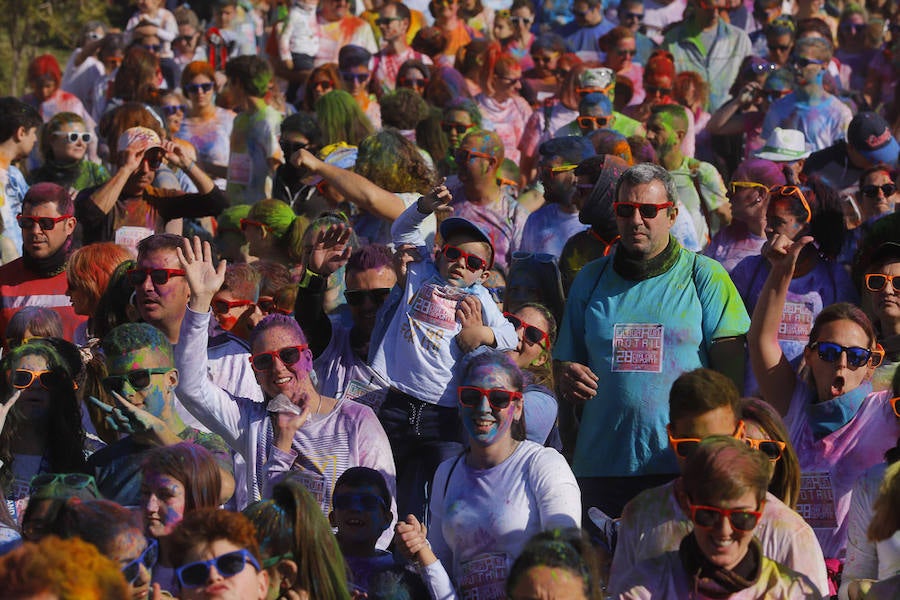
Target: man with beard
129, 199
701, 191
548, 228
340, 352
38, 278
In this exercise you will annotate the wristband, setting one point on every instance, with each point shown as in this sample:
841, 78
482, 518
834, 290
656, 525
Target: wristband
308, 278
190, 166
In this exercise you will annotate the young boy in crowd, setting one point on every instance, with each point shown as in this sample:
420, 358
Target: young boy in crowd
19, 124
445, 311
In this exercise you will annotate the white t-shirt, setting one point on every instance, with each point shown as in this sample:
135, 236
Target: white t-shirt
482, 518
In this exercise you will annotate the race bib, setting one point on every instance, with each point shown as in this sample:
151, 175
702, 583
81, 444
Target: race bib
484, 577
637, 347
240, 168
314, 483
129, 236
436, 305
796, 322
816, 503
365, 393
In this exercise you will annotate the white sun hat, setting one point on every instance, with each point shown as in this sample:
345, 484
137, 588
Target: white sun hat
784, 145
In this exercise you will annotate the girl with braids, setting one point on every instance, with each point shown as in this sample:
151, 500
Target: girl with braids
42, 432
274, 232
298, 549
500, 102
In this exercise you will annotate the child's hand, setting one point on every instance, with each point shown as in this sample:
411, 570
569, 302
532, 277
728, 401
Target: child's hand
412, 542
436, 200
474, 332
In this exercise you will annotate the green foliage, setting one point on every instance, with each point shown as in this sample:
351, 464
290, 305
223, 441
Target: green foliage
31, 27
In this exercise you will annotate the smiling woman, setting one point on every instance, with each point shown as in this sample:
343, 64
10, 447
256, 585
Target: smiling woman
725, 481
488, 501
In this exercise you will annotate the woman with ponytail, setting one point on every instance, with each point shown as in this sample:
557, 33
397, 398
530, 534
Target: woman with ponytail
274, 232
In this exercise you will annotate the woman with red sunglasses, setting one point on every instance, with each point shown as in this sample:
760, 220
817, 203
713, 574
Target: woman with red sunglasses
838, 427
725, 481
296, 430
491, 499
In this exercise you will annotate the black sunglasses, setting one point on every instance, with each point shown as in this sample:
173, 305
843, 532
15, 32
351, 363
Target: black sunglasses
354, 77
459, 128
290, 148
626, 210
138, 276
139, 379
871, 191
148, 558
358, 297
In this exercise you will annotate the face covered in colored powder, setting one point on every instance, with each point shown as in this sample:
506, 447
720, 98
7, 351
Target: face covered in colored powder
163, 501
485, 423
127, 548
282, 378
359, 514
128, 373
548, 583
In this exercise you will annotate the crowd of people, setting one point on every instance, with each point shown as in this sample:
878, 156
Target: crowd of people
483, 299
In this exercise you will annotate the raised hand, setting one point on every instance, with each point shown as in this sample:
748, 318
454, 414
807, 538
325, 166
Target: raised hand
178, 155
782, 252
7, 406
330, 250
202, 276
286, 424
411, 539
115, 418
437, 200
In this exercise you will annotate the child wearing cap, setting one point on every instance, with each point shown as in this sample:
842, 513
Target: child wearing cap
445, 312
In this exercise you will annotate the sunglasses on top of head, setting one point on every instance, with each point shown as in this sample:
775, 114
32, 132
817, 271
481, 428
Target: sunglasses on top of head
473, 262
531, 333
289, 355
626, 210
470, 396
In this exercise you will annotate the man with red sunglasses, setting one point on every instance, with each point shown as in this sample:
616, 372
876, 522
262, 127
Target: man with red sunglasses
634, 321
703, 403
130, 198
38, 278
